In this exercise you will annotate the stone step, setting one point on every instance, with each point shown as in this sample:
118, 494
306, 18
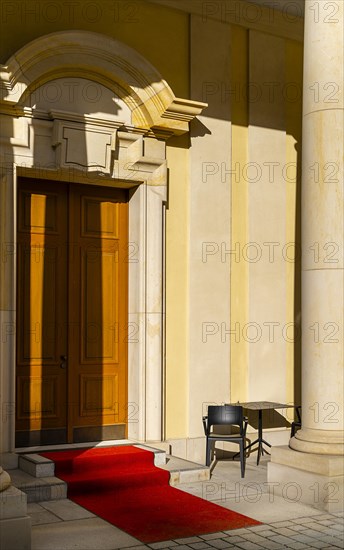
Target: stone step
39, 466
36, 465
159, 454
184, 471
38, 489
181, 470
35, 475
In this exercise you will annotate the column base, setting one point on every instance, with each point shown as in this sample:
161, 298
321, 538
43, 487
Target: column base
9, 461
15, 525
322, 442
313, 479
5, 480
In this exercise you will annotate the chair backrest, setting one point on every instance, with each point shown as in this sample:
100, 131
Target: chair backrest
225, 415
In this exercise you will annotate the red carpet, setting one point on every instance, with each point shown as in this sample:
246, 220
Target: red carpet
122, 485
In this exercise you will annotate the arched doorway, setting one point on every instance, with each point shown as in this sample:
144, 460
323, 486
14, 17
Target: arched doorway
117, 142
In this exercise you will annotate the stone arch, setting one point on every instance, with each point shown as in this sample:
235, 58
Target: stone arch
107, 61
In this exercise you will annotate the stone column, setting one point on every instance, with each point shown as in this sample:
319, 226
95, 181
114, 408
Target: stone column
314, 460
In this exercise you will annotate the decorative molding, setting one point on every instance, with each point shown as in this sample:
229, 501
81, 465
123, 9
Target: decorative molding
11, 108
84, 119
283, 22
184, 109
146, 164
104, 60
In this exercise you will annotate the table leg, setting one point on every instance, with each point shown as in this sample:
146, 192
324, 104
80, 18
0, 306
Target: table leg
259, 440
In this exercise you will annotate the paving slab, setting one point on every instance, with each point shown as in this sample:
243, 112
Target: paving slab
43, 517
220, 543
67, 510
84, 534
162, 545
268, 510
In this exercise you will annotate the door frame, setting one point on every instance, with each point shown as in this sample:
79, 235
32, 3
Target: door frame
146, 315
68, 196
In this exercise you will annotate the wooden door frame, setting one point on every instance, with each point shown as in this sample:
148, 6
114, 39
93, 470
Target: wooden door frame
69, 195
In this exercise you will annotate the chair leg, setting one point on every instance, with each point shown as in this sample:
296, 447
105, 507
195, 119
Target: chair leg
208, 452
242, 458
293, 430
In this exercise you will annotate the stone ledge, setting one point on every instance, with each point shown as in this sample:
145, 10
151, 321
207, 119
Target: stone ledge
36, 465
294, 485
159, 455
39, 489
326, 465
185, 471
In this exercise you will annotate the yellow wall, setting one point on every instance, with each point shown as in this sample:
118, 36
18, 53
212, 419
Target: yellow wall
239, 225
240, 108
158, 33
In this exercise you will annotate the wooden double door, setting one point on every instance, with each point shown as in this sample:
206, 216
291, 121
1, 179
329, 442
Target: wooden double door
72, 294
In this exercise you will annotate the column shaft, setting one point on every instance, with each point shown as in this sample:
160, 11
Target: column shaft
322, 233
314, 462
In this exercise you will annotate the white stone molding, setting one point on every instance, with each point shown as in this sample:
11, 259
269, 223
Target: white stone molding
8, 222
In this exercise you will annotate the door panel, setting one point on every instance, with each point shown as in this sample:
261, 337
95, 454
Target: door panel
72, 312
98, 311
41, 313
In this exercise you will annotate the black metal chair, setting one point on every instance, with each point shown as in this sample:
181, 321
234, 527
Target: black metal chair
296, 425
225, 415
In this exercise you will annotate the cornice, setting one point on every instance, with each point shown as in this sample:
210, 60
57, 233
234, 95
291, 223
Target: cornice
184, 109
245, 14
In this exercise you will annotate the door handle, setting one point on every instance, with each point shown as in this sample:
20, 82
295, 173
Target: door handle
63, 364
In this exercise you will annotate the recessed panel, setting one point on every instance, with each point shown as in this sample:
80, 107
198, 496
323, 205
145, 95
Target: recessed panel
37, 398
99, 395
99, 217
40, 212
86, 147
100, 309
38, 299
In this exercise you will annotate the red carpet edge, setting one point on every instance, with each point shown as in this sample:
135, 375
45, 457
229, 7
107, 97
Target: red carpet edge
122, 486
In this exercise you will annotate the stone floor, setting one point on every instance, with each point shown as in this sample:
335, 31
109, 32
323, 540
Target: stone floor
286, 523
